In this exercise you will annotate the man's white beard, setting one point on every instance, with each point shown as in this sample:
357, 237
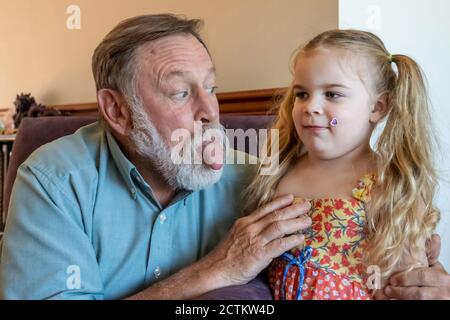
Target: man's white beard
150, 145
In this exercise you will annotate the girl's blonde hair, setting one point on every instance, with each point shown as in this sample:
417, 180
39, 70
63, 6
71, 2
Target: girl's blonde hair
402, 215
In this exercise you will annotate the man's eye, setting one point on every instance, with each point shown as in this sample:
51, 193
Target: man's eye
212, 90
181, 94
301, 95
332, 95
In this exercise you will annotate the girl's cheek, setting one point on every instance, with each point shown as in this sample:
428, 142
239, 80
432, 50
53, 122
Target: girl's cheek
296, 119
341, 117
296, 114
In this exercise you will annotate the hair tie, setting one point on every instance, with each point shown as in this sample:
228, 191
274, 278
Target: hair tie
390, 57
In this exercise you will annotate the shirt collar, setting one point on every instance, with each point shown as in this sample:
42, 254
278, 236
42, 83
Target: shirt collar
125, 167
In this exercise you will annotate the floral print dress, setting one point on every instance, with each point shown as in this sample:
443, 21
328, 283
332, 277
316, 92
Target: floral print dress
334, 270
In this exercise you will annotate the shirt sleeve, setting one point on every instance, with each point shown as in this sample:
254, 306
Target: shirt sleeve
46, 253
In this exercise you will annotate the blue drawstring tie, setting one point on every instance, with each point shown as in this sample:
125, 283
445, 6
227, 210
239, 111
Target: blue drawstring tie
299, 261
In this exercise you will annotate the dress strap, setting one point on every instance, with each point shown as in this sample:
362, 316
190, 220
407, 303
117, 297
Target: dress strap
365, 186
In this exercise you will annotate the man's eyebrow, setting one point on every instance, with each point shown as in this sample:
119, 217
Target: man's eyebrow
212, 70
167, 77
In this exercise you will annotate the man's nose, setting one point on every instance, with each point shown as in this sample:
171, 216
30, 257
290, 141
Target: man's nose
208, 107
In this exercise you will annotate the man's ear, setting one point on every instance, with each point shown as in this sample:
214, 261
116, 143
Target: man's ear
114, 110
379, 109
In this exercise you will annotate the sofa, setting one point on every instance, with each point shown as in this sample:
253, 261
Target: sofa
34, 132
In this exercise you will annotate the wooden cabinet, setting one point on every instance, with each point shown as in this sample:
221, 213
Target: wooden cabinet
6, 142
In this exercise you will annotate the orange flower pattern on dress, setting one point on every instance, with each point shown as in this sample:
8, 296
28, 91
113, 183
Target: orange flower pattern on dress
335, 270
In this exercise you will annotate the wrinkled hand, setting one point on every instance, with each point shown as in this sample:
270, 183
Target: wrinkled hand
422, 283
256, 239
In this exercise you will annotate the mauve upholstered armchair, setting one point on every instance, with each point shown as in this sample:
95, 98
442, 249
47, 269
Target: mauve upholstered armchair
35, 132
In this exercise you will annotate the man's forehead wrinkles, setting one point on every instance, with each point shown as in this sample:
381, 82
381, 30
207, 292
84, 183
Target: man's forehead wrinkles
168, 64
184, 54
173, 59
181, 57
164, 47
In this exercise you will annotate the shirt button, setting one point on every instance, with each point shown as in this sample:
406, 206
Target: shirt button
157, 272
162, 218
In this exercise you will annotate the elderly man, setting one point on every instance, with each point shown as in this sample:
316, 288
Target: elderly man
106, 213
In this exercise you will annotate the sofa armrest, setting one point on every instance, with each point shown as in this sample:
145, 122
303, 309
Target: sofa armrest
256, 289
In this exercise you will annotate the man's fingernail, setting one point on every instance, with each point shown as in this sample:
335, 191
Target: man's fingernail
301, 206
303, 203
307, 220
301, 237
306, 205
388, 290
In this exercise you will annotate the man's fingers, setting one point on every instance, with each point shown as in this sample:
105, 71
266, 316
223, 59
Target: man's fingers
277, 204
434, 276
279, 229
279, 246
440, 268
414, 293
433, 249
287, 213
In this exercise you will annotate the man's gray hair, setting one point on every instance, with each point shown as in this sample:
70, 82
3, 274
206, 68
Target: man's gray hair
114, 60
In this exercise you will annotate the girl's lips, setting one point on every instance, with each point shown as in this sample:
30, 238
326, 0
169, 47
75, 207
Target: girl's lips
315, 128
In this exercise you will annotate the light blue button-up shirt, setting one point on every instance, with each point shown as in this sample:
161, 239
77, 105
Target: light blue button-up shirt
83, 223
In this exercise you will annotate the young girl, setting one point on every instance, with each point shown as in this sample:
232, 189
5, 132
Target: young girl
371, 210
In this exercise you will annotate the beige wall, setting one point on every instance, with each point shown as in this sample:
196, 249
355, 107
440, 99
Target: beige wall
250, 40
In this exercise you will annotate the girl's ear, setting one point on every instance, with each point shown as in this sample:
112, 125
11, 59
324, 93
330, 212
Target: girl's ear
379, 109
114, 110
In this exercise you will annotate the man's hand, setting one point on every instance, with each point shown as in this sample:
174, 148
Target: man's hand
422, 283
249, 247
256, 239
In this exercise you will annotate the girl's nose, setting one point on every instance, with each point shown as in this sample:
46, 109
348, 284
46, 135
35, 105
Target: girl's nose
313, 108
